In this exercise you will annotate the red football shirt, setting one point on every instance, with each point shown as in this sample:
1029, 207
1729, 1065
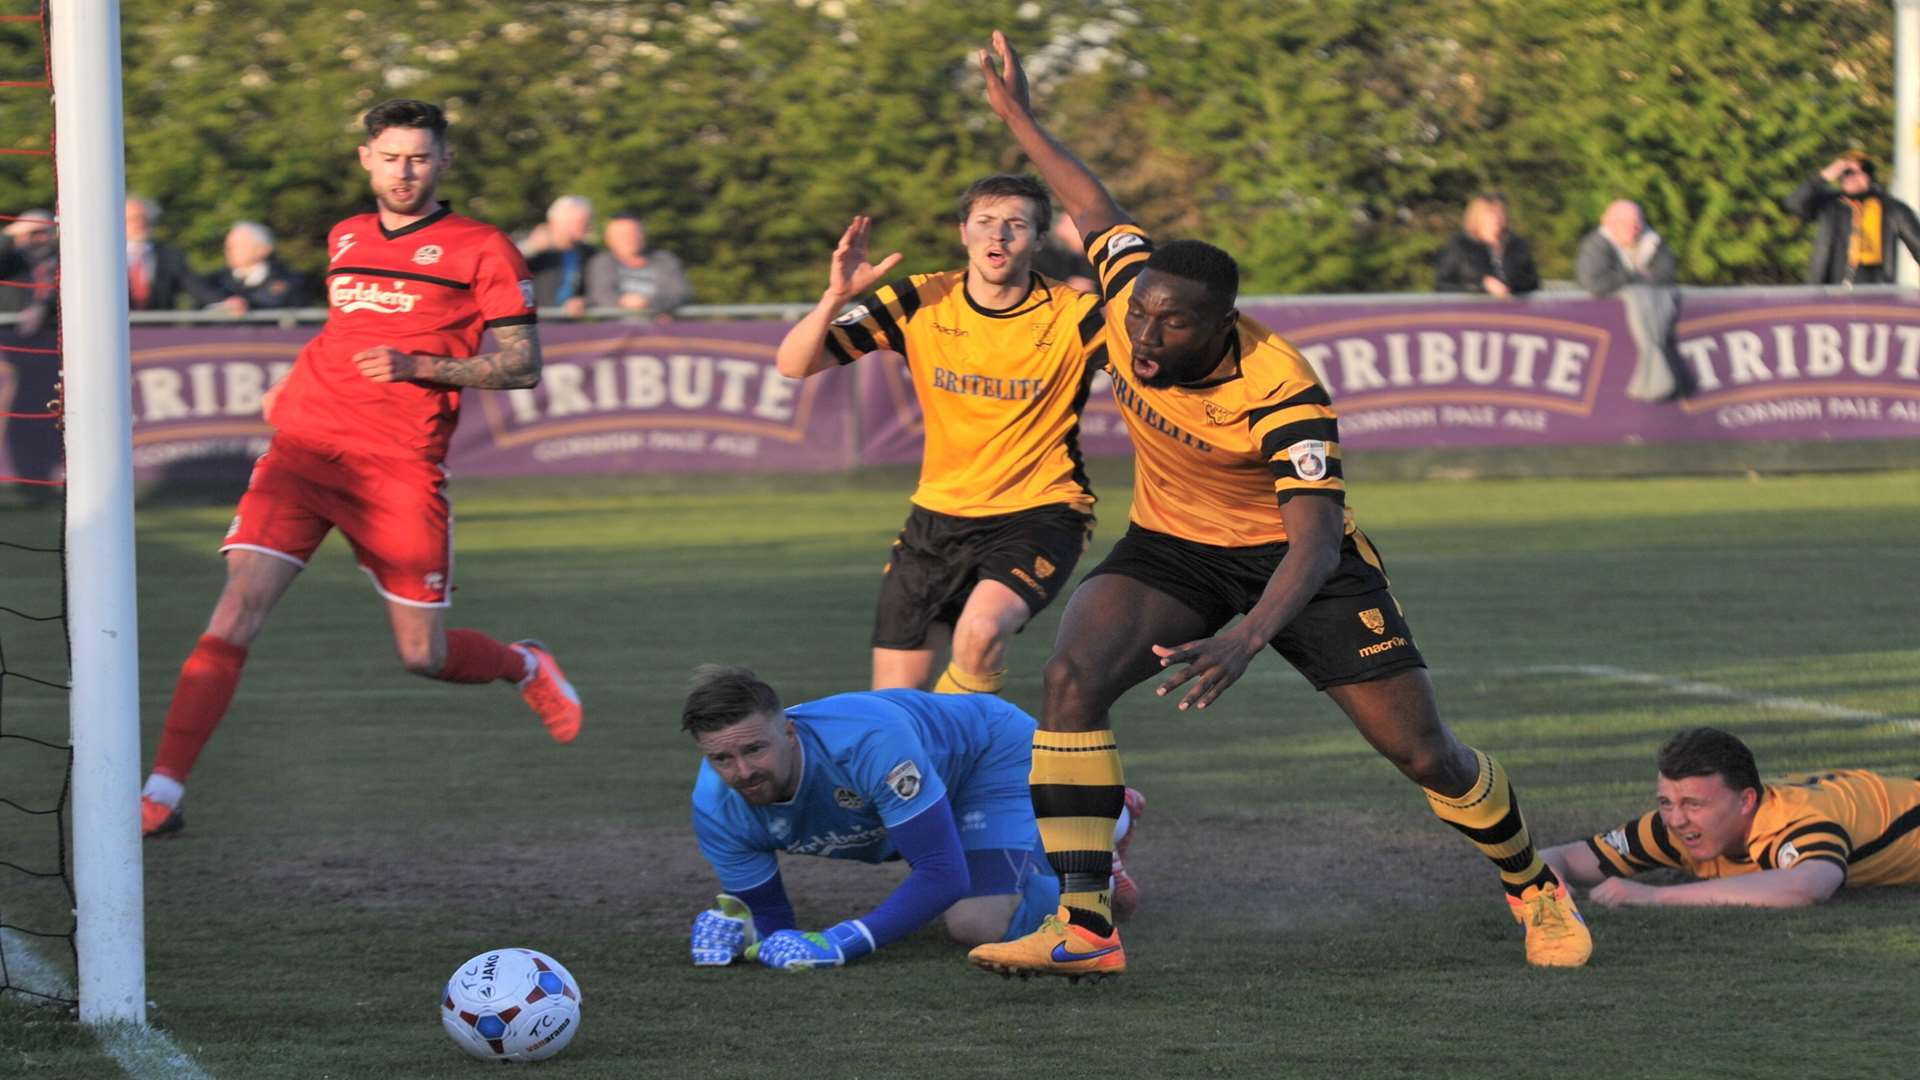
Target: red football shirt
431, 288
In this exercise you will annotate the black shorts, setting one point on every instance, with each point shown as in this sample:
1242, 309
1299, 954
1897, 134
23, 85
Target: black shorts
1352, 631
939, 558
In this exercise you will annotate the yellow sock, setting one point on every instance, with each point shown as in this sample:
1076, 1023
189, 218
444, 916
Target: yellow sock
1079, 790
955, 681
1488, 815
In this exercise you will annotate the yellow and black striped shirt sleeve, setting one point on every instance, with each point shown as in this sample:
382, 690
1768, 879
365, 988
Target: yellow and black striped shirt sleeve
1637, 847
1300, 439
877, 322
1118, 255
1808, 840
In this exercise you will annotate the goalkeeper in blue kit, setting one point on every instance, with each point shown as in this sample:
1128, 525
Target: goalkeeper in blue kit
939, 780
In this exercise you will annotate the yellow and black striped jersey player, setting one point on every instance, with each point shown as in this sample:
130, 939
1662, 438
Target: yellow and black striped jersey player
1748, 843
1239, 509
1001, 359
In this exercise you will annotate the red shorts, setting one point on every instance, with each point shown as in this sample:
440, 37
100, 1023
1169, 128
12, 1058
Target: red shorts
393, 510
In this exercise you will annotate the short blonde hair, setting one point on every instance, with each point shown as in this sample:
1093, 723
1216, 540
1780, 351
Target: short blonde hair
1477, 208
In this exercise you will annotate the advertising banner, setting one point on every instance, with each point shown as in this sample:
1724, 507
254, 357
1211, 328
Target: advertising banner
1404, 372
682, 397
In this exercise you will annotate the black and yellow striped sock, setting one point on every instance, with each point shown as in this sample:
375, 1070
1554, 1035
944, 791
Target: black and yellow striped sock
1488, 814
955, 681
1078, 793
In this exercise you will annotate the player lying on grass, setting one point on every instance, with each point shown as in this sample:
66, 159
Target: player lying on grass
1001, 359
939, 780
361, 428
1788, 844
1239, 517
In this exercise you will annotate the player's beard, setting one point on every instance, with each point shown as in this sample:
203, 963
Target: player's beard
421, 199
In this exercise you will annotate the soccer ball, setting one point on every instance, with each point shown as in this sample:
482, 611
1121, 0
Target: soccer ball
511, 1005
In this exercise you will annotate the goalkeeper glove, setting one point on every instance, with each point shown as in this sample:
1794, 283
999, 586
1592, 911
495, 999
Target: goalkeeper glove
721, 932
791, 950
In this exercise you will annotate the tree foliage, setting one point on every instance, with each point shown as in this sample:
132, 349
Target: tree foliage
1328, 143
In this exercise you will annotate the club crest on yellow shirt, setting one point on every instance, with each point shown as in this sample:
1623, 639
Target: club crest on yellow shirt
1216, 414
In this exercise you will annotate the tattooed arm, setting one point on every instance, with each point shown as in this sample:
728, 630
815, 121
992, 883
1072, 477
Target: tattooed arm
515, 366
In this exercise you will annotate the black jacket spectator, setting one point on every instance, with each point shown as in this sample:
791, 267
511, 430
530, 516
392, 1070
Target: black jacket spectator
282, 287
550, 272
1821, 202
32, 272
1466, 262
168, 282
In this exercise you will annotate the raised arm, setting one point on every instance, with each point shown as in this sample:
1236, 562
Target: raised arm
803, 351
1080, 192
1811, 197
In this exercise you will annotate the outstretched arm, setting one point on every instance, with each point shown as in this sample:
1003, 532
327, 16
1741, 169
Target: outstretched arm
930, 843
1575, 863
1080, 192
1807, 882
803, 351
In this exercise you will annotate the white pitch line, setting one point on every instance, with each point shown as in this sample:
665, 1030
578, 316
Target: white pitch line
141, 1052
1724, 693
147, 1054
30, 973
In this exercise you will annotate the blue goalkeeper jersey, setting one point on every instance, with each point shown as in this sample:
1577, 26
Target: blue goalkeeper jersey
871, 760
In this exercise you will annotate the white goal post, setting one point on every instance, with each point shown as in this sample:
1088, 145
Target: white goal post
110, 935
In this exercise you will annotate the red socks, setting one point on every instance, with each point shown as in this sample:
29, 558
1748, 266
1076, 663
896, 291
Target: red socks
212, 672
473, 657
200, 699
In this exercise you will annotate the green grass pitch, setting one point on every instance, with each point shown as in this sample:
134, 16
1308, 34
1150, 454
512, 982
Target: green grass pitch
354, 832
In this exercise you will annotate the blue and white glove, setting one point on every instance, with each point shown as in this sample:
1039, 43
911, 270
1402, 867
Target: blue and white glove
791, 950
722, 932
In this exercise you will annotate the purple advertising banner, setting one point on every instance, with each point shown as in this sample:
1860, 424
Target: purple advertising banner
680, 397
1773, 364
1404, 372
1802, 367
1776, 364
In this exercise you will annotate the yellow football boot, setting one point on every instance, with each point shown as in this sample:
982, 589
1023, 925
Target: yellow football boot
1556, 933
1057, 948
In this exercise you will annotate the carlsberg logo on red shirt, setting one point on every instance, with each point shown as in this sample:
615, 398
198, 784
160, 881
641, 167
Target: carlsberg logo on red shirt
349, 295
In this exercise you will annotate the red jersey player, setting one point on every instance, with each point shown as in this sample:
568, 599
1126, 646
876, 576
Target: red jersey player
362, 424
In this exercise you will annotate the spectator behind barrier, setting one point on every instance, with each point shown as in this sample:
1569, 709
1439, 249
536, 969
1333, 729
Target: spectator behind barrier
627, 275
1858, 222
255, 279
1485, 257
30, 256
30, 261
1625, 258
557, 252
158, 276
